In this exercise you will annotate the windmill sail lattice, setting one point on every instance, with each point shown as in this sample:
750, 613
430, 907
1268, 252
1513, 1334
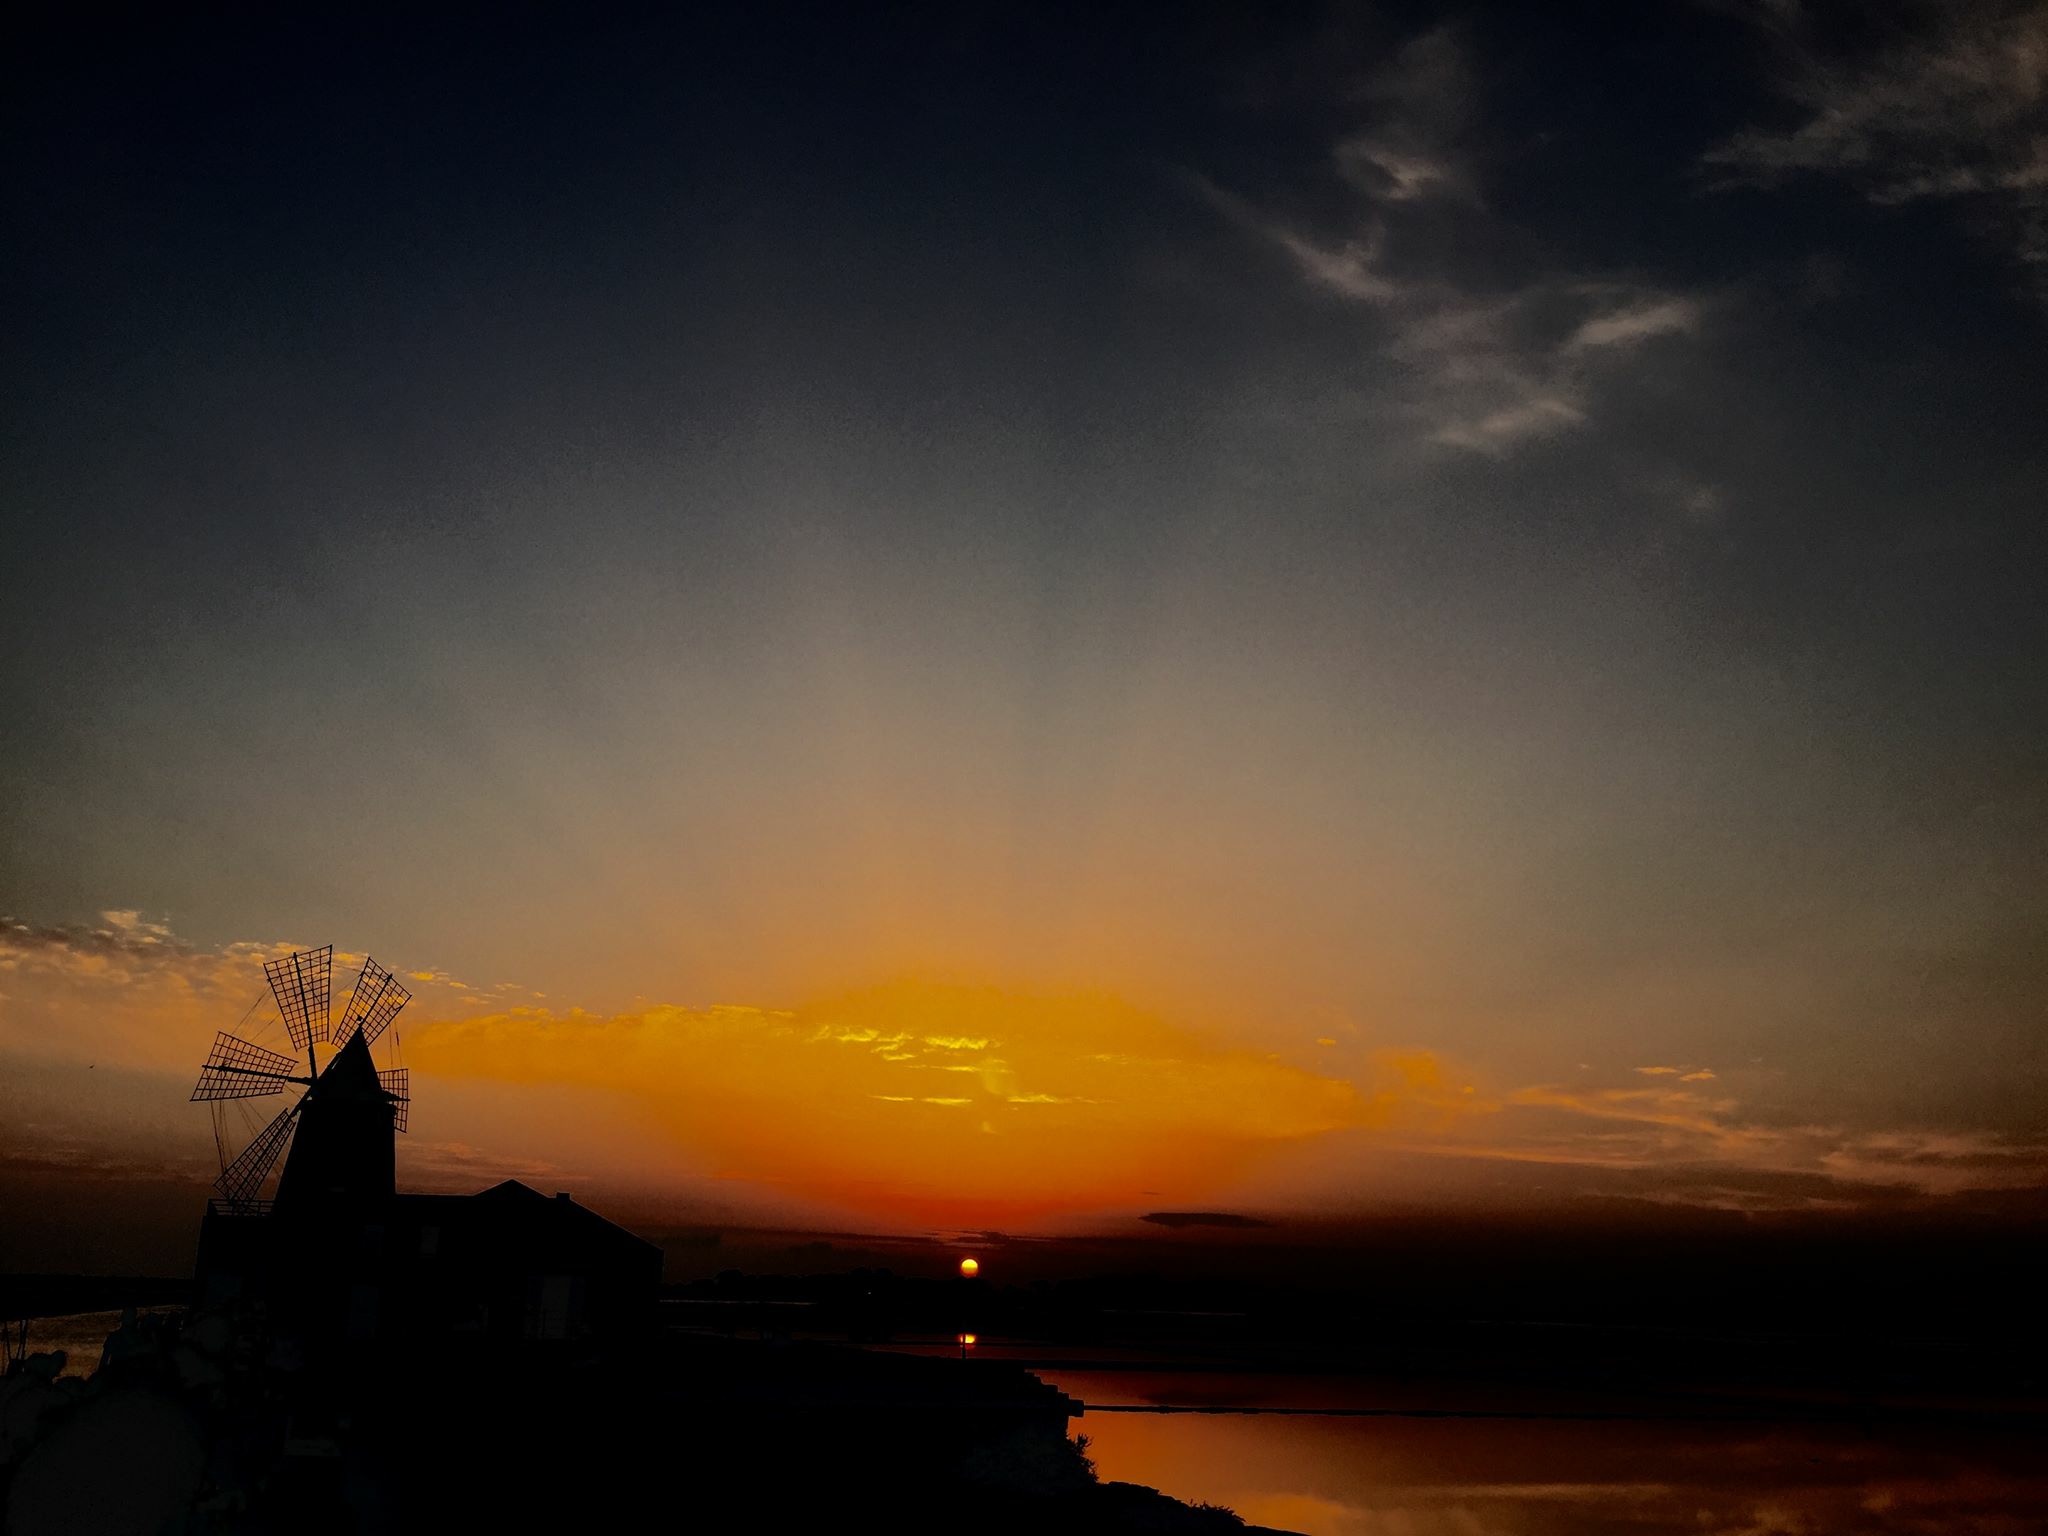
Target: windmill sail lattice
241, 1180
302, 983
235, 1069
372, 1006
398, 1087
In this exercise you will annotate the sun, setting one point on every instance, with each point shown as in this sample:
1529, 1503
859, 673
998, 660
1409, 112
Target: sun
969, 1268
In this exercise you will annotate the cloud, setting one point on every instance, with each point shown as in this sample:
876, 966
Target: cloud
1203, 1219
1700, 1147
1544, 416
1636, 322
1425, 105
132, 926
941, 1102
944, 1105
122, 990
121, 931
128, 990
933, 1102
1481, 367
1952, 107
1347, 270
1396, 175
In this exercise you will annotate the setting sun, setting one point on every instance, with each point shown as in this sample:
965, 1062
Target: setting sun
969, 1268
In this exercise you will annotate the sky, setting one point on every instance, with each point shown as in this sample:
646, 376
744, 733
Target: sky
1014, 618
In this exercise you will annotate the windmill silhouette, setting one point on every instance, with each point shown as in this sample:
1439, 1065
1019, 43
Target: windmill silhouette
338, 1128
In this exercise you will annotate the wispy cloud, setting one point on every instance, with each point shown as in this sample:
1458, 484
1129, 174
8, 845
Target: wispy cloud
1425, 107
128, 990
1634, 323
1229, 1219
1952, 107
1707, 1148
1478, 367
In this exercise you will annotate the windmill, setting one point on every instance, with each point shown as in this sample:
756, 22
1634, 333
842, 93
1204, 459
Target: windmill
338, 1127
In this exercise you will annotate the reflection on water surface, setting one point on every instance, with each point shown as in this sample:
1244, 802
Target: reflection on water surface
1523, 1477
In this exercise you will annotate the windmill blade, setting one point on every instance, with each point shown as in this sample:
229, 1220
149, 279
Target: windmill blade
239, 1181
374, 1003
302, 983
235, 1069
398, 1088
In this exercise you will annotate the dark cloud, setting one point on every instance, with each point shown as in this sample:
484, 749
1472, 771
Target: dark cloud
1202, 1219
1486, 360
122, 932
1950, 107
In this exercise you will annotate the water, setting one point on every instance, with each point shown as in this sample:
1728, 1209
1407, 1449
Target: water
81, 1335
1329, 1475
1339, 1476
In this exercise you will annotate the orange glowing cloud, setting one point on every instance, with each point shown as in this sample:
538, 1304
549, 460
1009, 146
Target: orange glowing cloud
943, 1103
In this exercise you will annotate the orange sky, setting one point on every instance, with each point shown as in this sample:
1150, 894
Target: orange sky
918, 1105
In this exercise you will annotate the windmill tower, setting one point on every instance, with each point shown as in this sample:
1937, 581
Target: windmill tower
336, 1136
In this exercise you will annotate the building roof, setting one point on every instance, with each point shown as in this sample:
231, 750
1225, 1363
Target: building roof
512, 1208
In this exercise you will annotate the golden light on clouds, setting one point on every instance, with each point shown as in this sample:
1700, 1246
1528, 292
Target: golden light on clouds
920, 1104
943, 1103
